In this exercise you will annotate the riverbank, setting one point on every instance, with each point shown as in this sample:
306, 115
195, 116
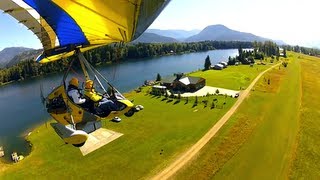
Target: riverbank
152, 138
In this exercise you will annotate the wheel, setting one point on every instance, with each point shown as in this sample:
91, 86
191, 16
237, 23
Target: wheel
79, 145
129, 113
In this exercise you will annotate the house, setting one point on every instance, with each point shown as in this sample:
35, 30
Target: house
281, 52
218, 66
149, 82
189, 84
184, 83
167, 82
225, 64
159, 89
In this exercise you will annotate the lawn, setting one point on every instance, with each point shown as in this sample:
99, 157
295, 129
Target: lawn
232, 77
306, 163
259, 140
152, 138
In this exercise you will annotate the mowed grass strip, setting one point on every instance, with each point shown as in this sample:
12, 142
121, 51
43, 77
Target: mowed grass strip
306, 163
257, 141
152, 138
232, 77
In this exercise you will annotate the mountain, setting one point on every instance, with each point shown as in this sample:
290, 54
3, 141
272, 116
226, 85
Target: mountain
7, 54
154, 38
27, 55
280, 42
176, 34
222, 33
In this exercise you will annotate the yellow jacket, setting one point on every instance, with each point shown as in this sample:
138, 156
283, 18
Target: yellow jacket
92, 94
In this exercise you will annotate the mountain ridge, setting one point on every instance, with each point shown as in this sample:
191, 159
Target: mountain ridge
7, 54
13, 55
178, 34
154, 38
217, 32
220, 32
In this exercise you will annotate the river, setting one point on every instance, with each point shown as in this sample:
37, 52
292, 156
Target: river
21, 109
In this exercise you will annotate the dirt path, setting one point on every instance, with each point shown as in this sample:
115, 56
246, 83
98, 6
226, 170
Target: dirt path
188, 155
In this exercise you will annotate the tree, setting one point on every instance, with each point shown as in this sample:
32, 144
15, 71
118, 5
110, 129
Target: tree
212, 105
195, 102
207, 63
240, 51
158, 77
284, 52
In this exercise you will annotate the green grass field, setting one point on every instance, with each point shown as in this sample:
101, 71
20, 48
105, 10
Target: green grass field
232, 77
273, 135
152, 138
162, 127
306, 163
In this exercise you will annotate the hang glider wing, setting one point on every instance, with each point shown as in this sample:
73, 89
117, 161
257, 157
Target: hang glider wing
63, 26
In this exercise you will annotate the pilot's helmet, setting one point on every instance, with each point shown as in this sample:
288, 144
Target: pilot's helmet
74, 81
89, 84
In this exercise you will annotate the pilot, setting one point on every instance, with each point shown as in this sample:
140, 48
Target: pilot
104, 105
74, 92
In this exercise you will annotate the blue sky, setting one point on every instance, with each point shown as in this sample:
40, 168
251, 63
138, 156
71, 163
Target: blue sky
294, 21
13, 34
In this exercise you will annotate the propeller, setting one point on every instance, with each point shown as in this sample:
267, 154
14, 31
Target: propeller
42, 98
43, 101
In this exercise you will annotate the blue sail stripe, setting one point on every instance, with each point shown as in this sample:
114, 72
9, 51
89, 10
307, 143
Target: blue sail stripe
65, 27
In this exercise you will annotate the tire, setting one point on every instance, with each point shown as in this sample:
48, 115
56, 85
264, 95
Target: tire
79, 145
129, 113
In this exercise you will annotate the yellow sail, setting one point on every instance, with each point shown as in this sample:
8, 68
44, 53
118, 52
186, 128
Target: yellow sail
64, 26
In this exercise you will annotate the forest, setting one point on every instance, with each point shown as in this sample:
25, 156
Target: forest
114, 53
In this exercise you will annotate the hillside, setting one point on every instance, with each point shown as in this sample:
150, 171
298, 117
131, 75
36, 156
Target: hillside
176, 34
7, 54
27, 55
154, 38
222, 33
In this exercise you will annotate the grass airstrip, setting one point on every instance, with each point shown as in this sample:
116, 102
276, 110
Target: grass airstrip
273, 135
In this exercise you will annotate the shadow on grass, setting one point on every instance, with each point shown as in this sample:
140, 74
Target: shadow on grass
154, 96
194, 105
177, 102
164, 99
169, 101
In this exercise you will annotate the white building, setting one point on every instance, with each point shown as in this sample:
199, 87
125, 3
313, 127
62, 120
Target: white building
225, 64
218, 66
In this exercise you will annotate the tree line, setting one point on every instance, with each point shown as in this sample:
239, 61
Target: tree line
304, 50
260, 51
114, 53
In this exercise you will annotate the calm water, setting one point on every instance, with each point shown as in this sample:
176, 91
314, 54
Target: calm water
21, 109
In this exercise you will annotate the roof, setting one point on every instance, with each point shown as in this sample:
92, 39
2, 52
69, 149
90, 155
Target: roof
224, 63
219, 65
159, 87
190, 80
169, 79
